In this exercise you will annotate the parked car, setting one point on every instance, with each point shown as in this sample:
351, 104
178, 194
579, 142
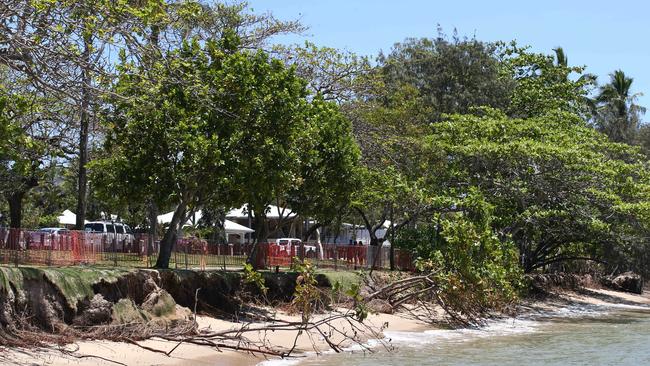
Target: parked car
54, 230
43, 237
114, 232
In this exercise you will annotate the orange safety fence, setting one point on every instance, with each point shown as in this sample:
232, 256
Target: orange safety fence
34, 247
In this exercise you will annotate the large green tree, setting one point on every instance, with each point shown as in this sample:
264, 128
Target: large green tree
450, 75
560, 190
34, 139
66, 50
216, 125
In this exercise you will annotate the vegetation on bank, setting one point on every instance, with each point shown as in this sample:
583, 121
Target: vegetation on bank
487, 159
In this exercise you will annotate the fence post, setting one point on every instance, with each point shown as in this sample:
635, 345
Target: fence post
186, 255
149, 248
17, 242
114, 250
336, 257
223, 256
49, 252
302, 251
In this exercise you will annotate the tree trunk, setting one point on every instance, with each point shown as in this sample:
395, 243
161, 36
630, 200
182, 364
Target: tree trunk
169, 239
312, 229
153, 226
260, 235
15, 201
84, 122
221, 220
392, 239
321, 254
375, 249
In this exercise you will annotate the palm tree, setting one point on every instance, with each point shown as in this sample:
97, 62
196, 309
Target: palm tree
561, 58
586, 79
617, 113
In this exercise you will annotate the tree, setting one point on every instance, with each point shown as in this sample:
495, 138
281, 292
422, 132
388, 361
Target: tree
66, 49
168, 139
57, 46
451, 76
335, 75
388, 130
617, 113
545, 83
560, 190
34, 140
220, 126
327, 161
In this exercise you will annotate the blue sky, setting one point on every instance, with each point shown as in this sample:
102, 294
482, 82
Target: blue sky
603, 35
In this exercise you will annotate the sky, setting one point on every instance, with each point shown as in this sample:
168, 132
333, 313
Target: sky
602, 35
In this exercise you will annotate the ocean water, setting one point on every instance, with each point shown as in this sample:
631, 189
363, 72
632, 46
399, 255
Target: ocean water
590, 335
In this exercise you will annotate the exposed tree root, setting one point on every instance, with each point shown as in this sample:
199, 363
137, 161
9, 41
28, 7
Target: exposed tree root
423, 294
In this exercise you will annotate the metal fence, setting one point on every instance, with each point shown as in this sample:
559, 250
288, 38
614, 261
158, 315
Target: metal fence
28, 247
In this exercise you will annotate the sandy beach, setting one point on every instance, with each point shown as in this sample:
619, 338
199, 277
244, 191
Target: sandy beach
189, 354
112, 353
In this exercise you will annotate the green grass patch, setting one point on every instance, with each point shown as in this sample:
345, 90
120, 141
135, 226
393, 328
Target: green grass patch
74, 283
345, 278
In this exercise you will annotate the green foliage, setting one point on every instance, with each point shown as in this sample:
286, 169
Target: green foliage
30, 148
217, 125
307, 297
333, 74
359, 306
421, 240
542, 85
473, 267
327, 159
252, 277
450, 75
560, 190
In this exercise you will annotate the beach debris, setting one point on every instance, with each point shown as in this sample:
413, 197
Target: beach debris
380, 306
628, 282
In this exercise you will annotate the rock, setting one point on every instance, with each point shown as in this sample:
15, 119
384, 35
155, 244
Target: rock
126, 311
149, 286
160, 303
380, 306
628, 282
99, 311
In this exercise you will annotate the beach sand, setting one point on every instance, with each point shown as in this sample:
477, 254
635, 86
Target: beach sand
188, 354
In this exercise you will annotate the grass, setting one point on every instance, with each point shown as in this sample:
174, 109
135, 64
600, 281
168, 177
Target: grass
74, 283
345, 278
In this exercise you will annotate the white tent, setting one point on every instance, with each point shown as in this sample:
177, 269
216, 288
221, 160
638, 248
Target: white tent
167, 218
68, 218
272, 212
234, 228
229, 226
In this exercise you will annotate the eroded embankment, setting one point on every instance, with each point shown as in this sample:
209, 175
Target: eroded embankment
74, 300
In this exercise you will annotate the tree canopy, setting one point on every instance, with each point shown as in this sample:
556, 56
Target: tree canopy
560, 190
220, 125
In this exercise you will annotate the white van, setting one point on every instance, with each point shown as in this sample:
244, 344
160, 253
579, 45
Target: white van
114, 232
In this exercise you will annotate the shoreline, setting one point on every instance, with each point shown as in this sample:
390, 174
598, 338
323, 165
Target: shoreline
188, 354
